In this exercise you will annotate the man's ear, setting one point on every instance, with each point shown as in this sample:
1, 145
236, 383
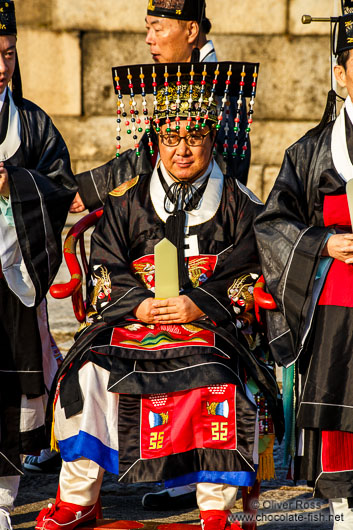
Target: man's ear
193, 31
340, 75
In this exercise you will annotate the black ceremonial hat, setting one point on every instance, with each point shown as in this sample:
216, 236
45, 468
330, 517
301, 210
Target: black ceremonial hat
345, 29
7, 18
178, 9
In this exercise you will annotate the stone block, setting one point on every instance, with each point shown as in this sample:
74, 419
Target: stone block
255, 179
298, 8
36, 13
255, 17
51, 69
102, 51
294, 73
270, 175
270, 139
88, 139
106, 15
118, 15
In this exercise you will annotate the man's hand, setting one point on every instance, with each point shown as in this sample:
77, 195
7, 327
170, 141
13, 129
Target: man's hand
339, 246
4, 181
77, 205
179, 310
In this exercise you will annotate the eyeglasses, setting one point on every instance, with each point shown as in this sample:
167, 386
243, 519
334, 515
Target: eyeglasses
192, 139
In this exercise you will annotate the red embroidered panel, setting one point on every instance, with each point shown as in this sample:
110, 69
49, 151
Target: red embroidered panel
182, 421
200, 269
161, 336
337, 451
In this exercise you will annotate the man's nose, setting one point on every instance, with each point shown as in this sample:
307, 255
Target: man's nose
149, 37
3, 65
182, 148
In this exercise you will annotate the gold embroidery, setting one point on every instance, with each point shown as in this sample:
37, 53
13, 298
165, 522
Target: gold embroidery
124, 187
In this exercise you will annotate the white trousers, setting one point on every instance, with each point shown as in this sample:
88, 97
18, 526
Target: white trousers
8, 491
343, 515
81, 480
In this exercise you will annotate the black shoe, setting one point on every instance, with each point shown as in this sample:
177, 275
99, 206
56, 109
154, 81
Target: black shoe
51, 465
163, 501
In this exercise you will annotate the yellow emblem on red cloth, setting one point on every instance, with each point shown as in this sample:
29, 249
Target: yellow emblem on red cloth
124, 187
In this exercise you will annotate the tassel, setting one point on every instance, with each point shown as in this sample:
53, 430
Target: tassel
54, 446
328, 115
266, 469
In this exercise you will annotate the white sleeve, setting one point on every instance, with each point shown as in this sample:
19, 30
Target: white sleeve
13, 266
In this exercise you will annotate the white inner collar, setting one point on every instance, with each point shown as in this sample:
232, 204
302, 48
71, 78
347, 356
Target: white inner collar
210, 200
2, 98
340, 155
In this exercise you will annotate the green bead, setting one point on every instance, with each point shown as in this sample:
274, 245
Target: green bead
248, 129
158, 129
148, 130
137, 153
197, 126
218, 126
242, 156
177, 128
168, 129
128, 131
203, 125
236, 129
151, 152
117, 155
188, 127
139, 129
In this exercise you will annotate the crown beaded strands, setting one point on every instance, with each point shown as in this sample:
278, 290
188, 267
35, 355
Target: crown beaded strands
134, 114
202, 93
239, 107
120, 112
220, 116
212, 95
145, 112
166, 96
178, 101
191, 90
155, 102
250, 113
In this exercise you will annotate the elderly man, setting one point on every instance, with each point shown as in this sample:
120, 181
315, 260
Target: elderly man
156, 389
36, 189
176, 29
306, 243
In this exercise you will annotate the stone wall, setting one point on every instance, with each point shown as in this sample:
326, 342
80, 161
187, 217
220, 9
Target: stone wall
67, 49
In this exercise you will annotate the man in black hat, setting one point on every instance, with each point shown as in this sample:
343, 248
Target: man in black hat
176, 32
36, 189
306, 247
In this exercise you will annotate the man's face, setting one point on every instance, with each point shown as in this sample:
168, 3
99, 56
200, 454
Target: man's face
170, 40
7, 60
184, 161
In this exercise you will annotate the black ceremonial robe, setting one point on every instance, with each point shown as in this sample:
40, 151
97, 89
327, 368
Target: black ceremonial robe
176, 393
42, 188
314, 320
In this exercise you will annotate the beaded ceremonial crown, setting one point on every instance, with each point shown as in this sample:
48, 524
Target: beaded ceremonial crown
199, 93
7, 18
